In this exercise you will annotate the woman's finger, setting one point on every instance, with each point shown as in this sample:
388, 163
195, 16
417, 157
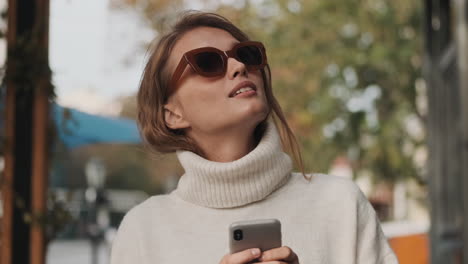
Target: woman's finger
242, 257
282, 253
272, 262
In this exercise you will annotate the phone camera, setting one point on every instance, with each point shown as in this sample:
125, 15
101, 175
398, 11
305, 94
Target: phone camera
238, 235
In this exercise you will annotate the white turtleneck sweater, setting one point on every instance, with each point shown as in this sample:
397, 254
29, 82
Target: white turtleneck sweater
324, 220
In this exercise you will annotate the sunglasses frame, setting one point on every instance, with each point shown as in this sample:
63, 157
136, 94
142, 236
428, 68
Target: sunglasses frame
189, 59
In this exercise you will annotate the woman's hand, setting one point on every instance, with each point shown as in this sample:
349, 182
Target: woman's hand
246, 256
281, 255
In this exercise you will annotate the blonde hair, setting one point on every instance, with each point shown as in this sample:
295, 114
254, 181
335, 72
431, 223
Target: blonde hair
153, 91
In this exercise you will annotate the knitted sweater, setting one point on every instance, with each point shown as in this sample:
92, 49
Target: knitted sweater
324, 220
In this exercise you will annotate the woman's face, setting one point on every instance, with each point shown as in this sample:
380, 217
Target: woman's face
202, 104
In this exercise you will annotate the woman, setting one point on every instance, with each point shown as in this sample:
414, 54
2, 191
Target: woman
206, 94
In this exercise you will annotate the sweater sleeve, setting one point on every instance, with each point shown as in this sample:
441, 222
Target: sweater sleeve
372, 245
125, 247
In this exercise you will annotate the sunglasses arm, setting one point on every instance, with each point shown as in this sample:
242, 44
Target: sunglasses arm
178, 72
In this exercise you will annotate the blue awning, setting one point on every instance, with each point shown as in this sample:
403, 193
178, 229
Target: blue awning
76, 128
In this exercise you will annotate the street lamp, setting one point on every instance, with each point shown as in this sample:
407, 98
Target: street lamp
98, 213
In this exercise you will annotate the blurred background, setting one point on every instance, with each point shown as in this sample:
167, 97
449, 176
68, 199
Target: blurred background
348, 74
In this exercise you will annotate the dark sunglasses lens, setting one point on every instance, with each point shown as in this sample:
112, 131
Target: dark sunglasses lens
250, 55
209, 62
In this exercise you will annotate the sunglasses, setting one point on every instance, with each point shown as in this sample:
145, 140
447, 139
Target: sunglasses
212, 62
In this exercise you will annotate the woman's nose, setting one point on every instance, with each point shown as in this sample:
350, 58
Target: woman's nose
235, 68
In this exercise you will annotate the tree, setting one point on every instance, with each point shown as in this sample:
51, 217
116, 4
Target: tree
346, 73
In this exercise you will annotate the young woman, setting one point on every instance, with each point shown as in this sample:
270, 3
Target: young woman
206, 94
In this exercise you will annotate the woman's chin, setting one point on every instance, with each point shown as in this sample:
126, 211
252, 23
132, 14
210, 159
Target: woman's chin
254, 108
253, 115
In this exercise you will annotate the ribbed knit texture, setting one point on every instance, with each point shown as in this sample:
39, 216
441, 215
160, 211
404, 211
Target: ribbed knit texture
231, 184
325, 220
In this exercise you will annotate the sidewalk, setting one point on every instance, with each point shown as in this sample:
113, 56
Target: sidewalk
74, 252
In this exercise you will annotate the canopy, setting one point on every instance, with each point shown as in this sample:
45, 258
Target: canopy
76, 128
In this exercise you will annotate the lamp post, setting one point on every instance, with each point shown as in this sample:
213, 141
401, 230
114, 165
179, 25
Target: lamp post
98, 216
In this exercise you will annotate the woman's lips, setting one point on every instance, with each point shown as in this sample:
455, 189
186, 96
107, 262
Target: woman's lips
246, 94
240, 86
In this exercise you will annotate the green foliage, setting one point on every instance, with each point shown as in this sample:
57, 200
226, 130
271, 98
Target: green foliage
28, 63
345, 73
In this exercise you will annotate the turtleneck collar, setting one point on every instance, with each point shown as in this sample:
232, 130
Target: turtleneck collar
237, 183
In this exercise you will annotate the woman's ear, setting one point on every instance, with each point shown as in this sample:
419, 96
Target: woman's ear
173, 116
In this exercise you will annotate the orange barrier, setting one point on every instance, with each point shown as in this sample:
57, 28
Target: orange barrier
411, 249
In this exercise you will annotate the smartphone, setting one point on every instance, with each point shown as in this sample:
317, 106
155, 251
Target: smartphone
264, 234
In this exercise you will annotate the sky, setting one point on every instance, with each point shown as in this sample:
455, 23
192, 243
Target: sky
97, 53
